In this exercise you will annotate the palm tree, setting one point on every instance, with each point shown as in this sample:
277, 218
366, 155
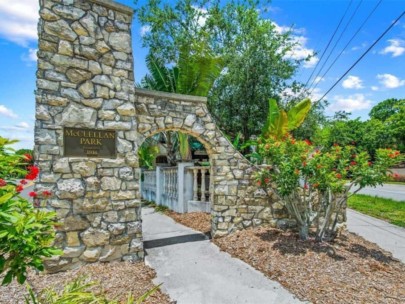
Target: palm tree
193, 74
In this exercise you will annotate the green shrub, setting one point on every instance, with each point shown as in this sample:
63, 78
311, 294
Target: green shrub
26, 233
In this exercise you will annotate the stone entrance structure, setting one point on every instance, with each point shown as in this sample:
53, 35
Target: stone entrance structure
85, 80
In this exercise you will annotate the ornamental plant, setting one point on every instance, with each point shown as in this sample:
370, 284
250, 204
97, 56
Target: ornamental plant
26, 233
314, 184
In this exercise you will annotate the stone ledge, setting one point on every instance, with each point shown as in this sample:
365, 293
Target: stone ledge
181, 97
115, 6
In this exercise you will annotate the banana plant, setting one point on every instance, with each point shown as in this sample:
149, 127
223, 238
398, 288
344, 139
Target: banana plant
279, 122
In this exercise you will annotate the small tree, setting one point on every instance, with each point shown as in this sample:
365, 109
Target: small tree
26, 233
314, 185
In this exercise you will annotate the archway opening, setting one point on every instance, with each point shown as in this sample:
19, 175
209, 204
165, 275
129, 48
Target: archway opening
176, 173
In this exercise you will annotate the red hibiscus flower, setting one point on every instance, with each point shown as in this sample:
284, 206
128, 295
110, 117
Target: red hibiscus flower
19, 188
23, 182
259, 183
339, 175
267, 180
2, 182
353, 163
33, 173
33, 194
307, 141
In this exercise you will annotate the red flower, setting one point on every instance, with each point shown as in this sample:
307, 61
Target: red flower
32, 194
259, 183
19, 188
304, 164
23, 182
46, 193
293, 141
308, 142
338, 175
28, 157
335, 145
305, 186
33, 173
353, 163
267, 180
369, 163
316, 185
2, 182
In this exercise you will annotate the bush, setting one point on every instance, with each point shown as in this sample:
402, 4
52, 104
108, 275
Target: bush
313, 184
26, 234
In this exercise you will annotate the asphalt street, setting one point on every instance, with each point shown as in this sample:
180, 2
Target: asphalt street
392, 191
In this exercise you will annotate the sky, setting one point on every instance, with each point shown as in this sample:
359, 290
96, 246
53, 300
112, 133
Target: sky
378, 76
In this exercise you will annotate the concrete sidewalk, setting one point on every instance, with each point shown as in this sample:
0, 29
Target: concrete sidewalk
385, 235
194, 271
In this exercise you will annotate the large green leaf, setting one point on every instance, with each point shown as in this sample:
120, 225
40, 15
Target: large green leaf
272, 119
298, 113
282, 125
184, 147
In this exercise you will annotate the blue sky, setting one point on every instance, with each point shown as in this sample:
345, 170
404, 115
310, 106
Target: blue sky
380, 75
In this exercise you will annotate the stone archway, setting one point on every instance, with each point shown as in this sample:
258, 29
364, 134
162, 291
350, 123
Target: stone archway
85, 80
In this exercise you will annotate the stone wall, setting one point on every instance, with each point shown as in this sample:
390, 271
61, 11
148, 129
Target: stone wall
237, 202
85, 79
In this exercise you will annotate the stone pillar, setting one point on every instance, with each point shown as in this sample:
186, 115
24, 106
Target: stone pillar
85, 80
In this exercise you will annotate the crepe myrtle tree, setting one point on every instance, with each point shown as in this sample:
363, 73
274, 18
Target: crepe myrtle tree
26, 233
313, 184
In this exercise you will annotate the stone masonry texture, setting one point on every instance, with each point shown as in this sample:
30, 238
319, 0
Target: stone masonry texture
85, 80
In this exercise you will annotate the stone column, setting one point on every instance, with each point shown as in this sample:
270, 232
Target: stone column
85, 80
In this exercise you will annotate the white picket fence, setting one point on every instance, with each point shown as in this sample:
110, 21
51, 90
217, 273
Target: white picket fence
184, 188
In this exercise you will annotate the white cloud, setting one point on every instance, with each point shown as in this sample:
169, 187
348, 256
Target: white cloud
301, 51
396, 48
7, 112
352, 82
144, 30
374, 88
319, 79
350, 103
314, 95
358, 47
202, 18
390, 81
18, 20
23, 125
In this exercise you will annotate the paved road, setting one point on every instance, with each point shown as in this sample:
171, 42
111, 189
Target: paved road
392, 191
385, 235
193, 270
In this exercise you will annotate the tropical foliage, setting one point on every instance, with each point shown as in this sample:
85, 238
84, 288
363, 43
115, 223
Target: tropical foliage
26, 233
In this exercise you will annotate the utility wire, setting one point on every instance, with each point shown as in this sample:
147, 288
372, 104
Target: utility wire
364, 54
329, 42
337, 41
347, 44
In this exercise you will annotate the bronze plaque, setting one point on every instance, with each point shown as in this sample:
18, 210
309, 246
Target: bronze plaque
89, 143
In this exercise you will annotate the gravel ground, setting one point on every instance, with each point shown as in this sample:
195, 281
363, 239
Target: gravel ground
350, 270
199, 221
117, 280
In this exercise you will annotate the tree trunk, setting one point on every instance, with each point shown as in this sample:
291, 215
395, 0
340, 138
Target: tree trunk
303, 231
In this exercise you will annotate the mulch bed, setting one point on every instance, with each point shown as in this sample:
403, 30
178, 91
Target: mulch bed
350, 270
199, 221
117, 280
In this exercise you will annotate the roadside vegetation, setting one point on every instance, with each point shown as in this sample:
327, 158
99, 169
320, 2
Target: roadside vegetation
382, 208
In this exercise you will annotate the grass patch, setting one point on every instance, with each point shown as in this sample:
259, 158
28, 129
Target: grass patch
382, 208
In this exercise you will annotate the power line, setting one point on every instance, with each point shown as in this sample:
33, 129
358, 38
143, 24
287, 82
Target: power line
336, 43
364, 54
329, 42
348, 43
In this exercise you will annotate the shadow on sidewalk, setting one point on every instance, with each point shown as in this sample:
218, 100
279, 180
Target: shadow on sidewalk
196, 237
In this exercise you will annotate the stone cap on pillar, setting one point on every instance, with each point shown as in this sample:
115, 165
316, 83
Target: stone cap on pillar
115, 6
